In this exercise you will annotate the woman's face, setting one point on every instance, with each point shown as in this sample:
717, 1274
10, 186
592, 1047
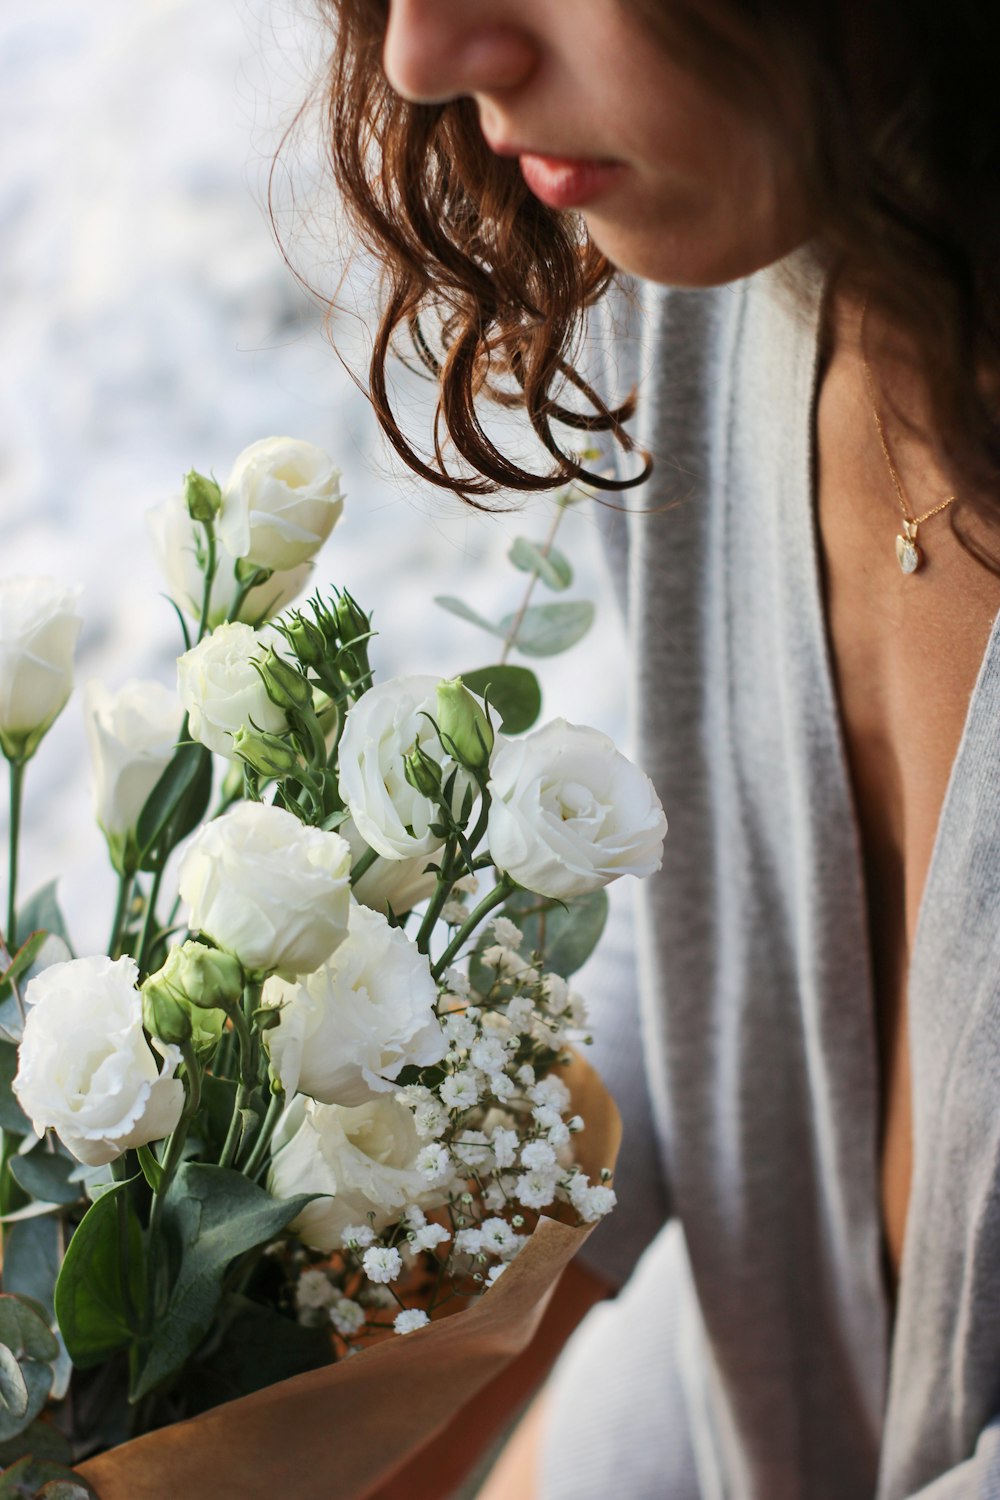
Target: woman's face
674, 183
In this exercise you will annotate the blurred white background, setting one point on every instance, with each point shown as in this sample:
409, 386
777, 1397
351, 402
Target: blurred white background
150, 324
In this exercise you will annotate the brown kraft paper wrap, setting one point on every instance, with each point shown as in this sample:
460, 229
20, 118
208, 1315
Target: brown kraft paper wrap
339, 1432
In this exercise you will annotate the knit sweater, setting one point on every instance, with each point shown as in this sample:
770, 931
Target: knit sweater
754, 1355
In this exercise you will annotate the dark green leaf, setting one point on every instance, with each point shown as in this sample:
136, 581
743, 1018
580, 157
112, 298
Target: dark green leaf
178, 800
547, 629
464, 612
252, 1347
90, 1300
513, 691
552, 567
212, 1214
218, 1100
12, 1117
31, 1261
42, 1441
45, 1176
41, 913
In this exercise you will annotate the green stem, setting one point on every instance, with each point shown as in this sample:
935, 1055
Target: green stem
171, 1161
442, 890
243, 590
119, 1171
16, 789
125, 881
255, 1161
149, 918
248, 1078
496, 897
363, 865
210, 571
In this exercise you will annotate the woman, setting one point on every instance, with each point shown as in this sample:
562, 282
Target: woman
813, 570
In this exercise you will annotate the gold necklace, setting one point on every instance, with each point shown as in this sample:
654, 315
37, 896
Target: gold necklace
908, 554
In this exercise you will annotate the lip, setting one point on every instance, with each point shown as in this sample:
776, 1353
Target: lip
568, 182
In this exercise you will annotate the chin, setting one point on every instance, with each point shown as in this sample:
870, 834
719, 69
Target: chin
688, 258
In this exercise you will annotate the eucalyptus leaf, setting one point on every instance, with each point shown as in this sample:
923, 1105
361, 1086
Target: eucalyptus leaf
11, 1025
513, 691
552, 567
90, 1297
212, 1214
31, 1261
46, 1176
33, 1478
42, 1441
42, 913
547, 629
13, 1391
12, 1117
566, 934
465, 612
25, 1338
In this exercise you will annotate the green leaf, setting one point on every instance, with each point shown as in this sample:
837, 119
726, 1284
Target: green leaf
464, 612
552, 567
45, 1176
212, 1214
179, 799
31, 1261
90, 1303
12, 1117
253, 1347
41, 1441
151, 1169
25, 1338
218, 1100
23, 959
24, 1329
41, 913
513, 691
547, 629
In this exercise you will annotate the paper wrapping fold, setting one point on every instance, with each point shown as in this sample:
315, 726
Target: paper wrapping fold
339, 1432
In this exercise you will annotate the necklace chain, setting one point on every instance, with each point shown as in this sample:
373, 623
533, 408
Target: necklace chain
908, 553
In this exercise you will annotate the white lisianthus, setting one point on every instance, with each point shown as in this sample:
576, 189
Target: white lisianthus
268, 889
179, 544
221, 688
363, 1161
131, 734
570, 813
396, 883
85, 1068
39, 627
381, 729
347, 1030
280, 503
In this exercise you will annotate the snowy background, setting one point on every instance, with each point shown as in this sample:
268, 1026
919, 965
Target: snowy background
149, 324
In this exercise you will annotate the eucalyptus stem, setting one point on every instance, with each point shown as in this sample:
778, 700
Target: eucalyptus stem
16, 789
496, 897
125, 883
255, 1161
510, 640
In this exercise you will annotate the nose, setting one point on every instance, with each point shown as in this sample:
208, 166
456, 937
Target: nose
437, 50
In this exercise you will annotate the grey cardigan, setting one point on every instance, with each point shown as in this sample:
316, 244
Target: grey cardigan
753, 1355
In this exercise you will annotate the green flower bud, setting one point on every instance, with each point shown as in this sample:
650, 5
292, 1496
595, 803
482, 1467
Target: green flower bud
465, 730
285, 684
422, 773
165, 1017
267, 754
202, 496
352, 622
306, 640
187, 999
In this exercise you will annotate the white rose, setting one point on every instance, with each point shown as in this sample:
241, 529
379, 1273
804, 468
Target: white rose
570, 813
221, 689
85, 1068
280, 503
132, 734
179, 544
39, 627
397, 883
362, 1160
347, 1030
268, 889
383, 727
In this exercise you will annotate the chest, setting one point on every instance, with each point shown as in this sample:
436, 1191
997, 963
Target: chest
905, 652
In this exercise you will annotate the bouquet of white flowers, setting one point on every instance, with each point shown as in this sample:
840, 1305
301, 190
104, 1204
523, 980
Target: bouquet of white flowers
317, 1089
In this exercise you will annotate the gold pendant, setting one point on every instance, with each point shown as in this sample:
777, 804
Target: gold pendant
908, 554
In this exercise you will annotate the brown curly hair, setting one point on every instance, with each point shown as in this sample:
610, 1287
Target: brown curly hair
895, 112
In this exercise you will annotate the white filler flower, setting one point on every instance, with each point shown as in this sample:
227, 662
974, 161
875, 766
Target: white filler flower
570, 813
179, 543
280, 503
221, 688
384, 726
346, 1031
39, 626
268, 889
85, 1068
363, 1160
131, 734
